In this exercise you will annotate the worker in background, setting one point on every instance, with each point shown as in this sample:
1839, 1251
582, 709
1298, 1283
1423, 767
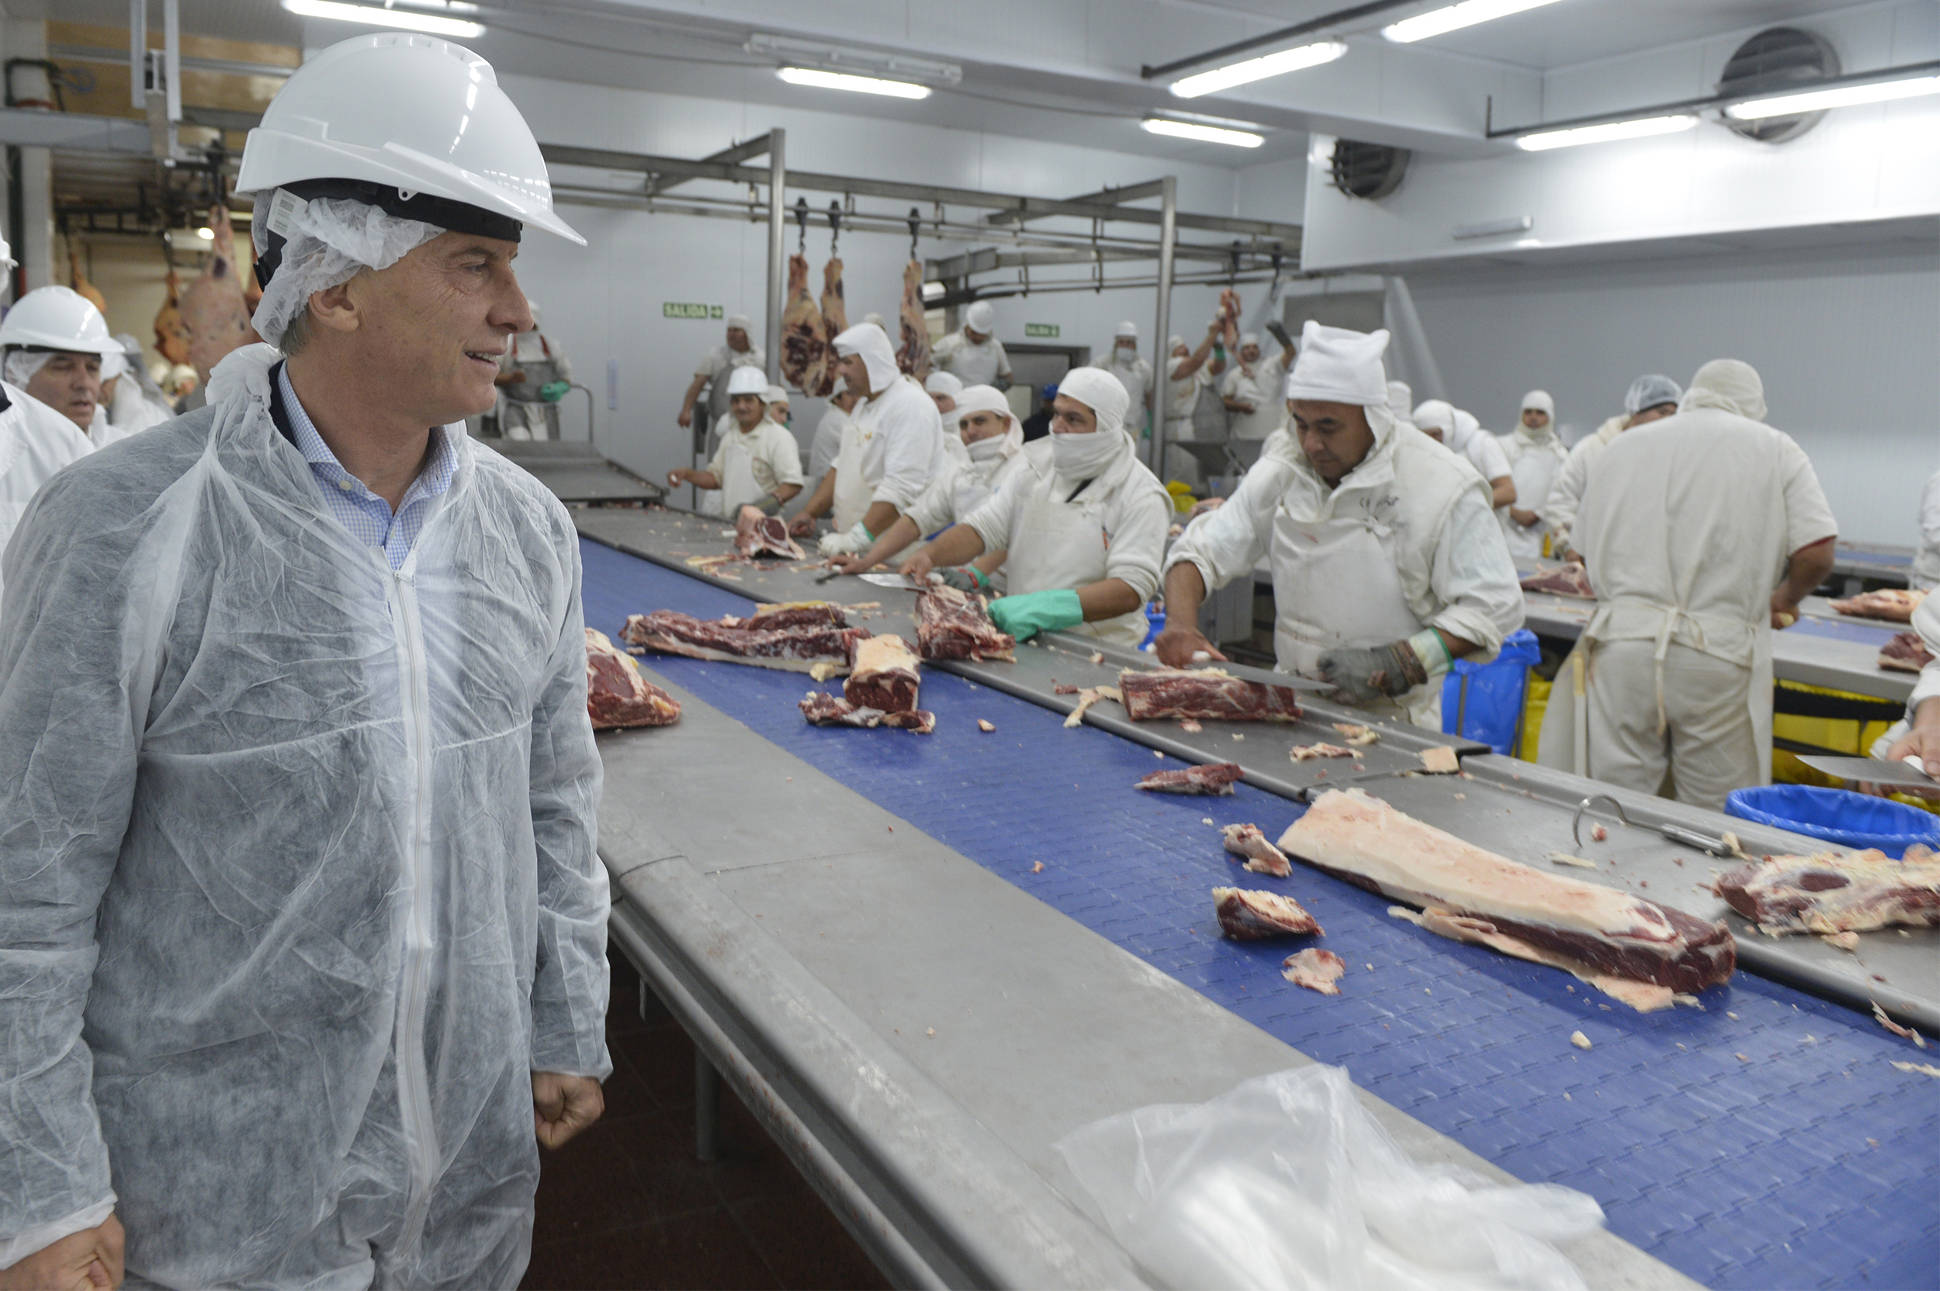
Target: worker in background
889, 448
779, 410
1190, 373
1925, 575
306, 944
1536, 455
1083, 528
1251, 392
1134, 372
133, 401
35, 442
1038, 425
1463, 434
984, 452
56, 344
943, 388
972, 353
1651, 397
1701, 533
758, 463
1387, 562
828, 431
1918, 734
712, 373
533, 377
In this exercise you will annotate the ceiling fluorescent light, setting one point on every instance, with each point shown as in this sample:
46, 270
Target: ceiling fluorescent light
1203, 133
1608, 132
1258, 69
821, 80
370, 15
1842, 96
1454, 17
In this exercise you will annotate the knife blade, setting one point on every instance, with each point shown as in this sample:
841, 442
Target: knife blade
1285, 680
1907, 771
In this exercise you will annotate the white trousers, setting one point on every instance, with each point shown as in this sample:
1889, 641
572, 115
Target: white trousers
1708, 745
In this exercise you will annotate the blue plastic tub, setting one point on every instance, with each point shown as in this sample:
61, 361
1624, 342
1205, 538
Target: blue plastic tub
1837, 815
1483, 701
1155, 619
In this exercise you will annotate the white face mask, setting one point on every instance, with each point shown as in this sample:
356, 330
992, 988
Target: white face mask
1082, 456
985, 450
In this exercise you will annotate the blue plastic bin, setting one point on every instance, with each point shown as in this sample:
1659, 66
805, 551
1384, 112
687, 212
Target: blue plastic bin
1483, 701
1155, 618
1837, 815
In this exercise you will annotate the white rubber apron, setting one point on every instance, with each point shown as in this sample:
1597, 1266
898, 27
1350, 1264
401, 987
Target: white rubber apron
1064, 544
1335, 584
852, 491
738, 485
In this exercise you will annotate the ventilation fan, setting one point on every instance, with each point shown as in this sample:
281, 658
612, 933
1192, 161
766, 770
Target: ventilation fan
1367, 170
1777, 59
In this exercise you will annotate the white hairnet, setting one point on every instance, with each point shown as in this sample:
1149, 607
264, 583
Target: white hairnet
878, 355
1435, 414
747, 380
1730, 384
1248, 338
1540, 401
22, 364
1401, 397
1099, 391
327, 242
1337, 365
775, 394
945, 383
982, 316
1126, 328
740, 321
114, 364
1648, 391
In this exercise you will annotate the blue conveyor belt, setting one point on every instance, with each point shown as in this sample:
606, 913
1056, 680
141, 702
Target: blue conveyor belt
1762, 1141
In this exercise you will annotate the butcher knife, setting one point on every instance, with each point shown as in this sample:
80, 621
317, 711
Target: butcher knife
1285, 680
1906, 772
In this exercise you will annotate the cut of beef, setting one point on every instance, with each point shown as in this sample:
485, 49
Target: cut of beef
1315, 969
951, 624
1214, 780
1262, 857
1894, 603
766, 536
1905, 653
617, 695
1308, 752
823, 709
804, 342
797, 649
883, 676
1560, 580
795, 614
1245, 915
1607, 932
1836, 892
1205, 694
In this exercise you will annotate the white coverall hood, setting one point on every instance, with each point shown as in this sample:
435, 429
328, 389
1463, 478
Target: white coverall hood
1099, 391
943, 383
1541, 401
989, 399
1337, 365
878, 355
1730, 384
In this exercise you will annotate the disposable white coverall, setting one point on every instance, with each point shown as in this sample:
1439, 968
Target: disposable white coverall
1926, 560
35, 442
1566, 490
1535, 459
1686, 528
310, 889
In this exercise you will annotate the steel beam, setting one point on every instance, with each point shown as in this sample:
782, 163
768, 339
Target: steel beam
776, 147
1112, 196
740, 152
1162, 358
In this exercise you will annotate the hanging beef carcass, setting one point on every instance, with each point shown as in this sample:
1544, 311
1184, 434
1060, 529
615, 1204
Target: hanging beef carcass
835, 321
82, 287
804, 343
171, 333
213, 307
913, 355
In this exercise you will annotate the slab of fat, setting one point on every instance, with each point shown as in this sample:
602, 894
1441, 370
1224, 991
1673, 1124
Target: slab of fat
885, 653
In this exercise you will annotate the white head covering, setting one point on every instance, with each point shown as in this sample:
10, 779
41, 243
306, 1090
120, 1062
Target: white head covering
775, 394
327, 242
1467, 427
1173, 342
1126, 328
1648, 391
1336, 365
1436, 414
21, 365
1099, 391
1401, 397
1248, 338
982, 398
878, 355
741, 321
747, 380
944, 383
873, 317
1730, 384
981, 316
1541, 402
113, 365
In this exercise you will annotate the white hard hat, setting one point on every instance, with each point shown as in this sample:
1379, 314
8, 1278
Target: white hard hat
1126, 328
412, 115
748, 379
57, 318
981, 315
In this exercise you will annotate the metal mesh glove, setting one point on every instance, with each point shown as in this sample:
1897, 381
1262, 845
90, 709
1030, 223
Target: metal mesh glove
965, 578
1365, 674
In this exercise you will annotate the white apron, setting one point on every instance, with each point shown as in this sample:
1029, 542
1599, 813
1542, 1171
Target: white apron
1063, 544
852, 491
1335, 584
738, 485
1533, 472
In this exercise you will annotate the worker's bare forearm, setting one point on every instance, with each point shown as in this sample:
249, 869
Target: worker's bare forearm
1457, 646
1808, 567
693, 393
1503, 489
785, 492
957, 545
817, 505
880, 516
898, 536
990, 562
1185, 592
1107, 599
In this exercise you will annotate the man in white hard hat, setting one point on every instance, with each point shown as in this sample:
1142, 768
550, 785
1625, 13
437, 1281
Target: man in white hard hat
1251, 392
1387, 562
55, 342
972, 353
1651, 397
306, 946
1536, 455
533, 377
757, 464
736, 351
1131, 370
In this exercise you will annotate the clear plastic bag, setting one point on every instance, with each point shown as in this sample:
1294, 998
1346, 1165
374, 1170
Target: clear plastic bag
1287, 1182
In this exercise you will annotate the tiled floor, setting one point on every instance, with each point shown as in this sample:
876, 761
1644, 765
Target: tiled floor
627, 1205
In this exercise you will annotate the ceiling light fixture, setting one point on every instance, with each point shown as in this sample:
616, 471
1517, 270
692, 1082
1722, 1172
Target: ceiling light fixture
1607, 132
206, 233
1844, 96
821, 80
1454, 17
1296, 59
1202, 133
370, 15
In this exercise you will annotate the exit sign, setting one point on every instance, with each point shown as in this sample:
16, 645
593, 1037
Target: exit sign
1041, 329
684, 309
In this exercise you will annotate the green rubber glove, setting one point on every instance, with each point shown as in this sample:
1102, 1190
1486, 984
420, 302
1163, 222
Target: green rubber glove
1026, 615
554, 391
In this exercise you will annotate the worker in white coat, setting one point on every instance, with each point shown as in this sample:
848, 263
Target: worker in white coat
890, 447
1190, 373
56, 343
1084, 528
132, 399
304, 953
1387, 561
1536, 454
1918, 734
1651, 397
1132, 370
780, 411
827, 441
1926, 558
973, 354
35, 442
1461, 432
985, 450
737, 350
1251, 392
943, 388
1701, 533
758, 463
534, 376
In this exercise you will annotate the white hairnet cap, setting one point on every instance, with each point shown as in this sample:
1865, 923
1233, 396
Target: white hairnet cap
1099, 391
327, 242
1248, 338
981, 316
775, 394
21, 365
740, 321
878, 355
114, 365
1435, 414
1126, 328
1649, 390
1730, 384
1337, 365
941, 382
747, 380
1540, 401
1401, 397
983, 399
1173, 342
